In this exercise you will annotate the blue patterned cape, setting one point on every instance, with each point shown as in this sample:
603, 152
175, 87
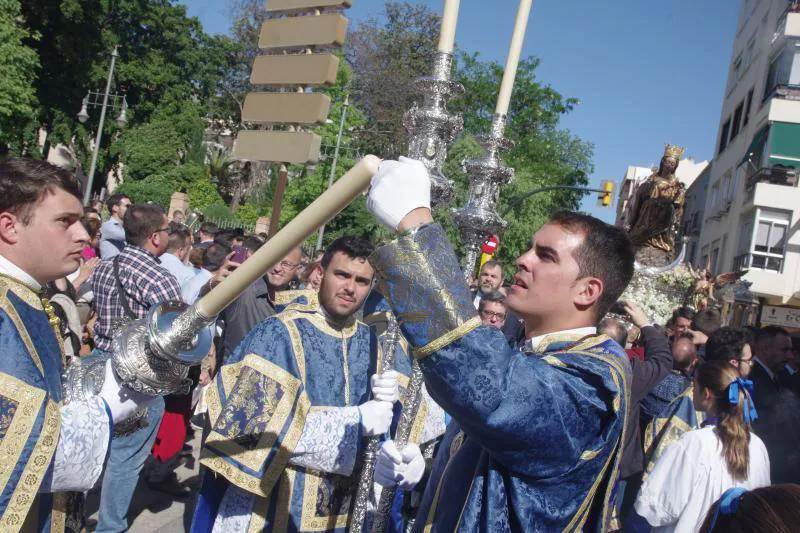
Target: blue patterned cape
287, 366
30, 399
536, 439
668, 427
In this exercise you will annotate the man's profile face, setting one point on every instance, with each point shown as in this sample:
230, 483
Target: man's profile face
283, 273
547, 275
122, 207
490, 279
346, 282
493, 314
745, 362
776, 352
54, 238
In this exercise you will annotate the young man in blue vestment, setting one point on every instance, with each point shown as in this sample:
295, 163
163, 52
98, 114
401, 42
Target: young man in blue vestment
48, 448
291, 405
537, 435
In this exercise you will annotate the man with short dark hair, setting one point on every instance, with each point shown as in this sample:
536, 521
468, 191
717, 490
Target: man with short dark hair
174, 259
492, 309
112, 238
778, 403
207, 232
257, 302
48, 447
490, 280
536, 437
299, 385
681, 321
126, 288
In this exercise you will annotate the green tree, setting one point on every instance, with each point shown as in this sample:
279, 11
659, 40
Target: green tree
164, 57
19, 64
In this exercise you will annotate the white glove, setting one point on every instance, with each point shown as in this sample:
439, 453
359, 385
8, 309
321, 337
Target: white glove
385, 387
402, 469
398, 188
122, 401
376, 417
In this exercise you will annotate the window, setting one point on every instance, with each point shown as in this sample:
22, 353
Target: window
769, 240
784, 69
727, 192
737, 120
738, 68
703, 257
723, 139
747, 107
714, 199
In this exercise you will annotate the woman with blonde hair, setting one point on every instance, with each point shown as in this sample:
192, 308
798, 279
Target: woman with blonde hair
695, 471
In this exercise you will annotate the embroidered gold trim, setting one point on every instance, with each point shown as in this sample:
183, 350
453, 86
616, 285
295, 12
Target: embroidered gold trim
346, 374
297, 346
12, 313
39, 461
554, 361
258, 519
255, 458
287, 297
27, 294
588, 455
284, 506
551, 338
309, 521
419, 423
448, 338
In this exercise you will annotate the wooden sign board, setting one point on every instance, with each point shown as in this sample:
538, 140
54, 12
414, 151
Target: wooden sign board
288, 108
295, 5
296, 32
308, 70
288, 147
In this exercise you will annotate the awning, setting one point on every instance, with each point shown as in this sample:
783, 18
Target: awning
752, 150
784, 141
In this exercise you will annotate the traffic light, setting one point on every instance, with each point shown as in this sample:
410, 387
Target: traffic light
606, 197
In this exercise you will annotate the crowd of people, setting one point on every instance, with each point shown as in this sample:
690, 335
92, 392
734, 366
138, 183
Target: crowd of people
549, 402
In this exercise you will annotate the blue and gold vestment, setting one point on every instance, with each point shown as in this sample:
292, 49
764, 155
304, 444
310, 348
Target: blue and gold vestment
669, 426
289, 367
536, 438
30, 397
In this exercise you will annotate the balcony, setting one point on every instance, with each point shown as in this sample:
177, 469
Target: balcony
768, 262
788, 23
787, 177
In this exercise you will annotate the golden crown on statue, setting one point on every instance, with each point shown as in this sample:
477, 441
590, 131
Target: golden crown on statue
674, 151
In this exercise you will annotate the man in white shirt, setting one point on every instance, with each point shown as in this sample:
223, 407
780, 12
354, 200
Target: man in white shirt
174, 260
112, 240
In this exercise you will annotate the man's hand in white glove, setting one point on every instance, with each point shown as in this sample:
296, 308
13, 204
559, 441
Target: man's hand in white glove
122, 401
397, 189
385, 387
376, 417
402, 469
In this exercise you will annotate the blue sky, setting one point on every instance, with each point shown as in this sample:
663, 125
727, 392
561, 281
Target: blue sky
647, 72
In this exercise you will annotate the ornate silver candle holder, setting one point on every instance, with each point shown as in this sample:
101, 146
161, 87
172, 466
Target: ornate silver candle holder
431, 128
478, 218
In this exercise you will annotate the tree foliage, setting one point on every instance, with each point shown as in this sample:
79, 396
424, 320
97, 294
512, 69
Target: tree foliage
390, 51
19, 64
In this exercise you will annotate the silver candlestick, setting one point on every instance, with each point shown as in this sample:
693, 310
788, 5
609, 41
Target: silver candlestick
431, 128
478, 217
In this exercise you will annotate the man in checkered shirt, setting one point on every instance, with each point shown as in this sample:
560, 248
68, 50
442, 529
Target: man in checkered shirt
146, 283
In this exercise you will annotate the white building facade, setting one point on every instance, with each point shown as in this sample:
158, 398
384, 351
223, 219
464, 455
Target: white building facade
752, 207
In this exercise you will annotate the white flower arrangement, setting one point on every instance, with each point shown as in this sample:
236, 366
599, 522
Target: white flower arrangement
659, 295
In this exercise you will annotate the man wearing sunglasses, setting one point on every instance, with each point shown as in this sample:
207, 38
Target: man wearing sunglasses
125, 288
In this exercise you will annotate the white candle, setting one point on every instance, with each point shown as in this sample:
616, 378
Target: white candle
514, 51
447, 36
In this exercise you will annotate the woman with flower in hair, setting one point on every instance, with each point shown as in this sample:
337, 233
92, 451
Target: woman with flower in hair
695, 471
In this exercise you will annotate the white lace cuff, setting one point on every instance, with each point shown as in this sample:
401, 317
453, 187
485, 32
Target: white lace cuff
82, 446
329, 441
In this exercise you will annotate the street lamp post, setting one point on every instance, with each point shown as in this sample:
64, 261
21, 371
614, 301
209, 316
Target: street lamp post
334, 162
83, 116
